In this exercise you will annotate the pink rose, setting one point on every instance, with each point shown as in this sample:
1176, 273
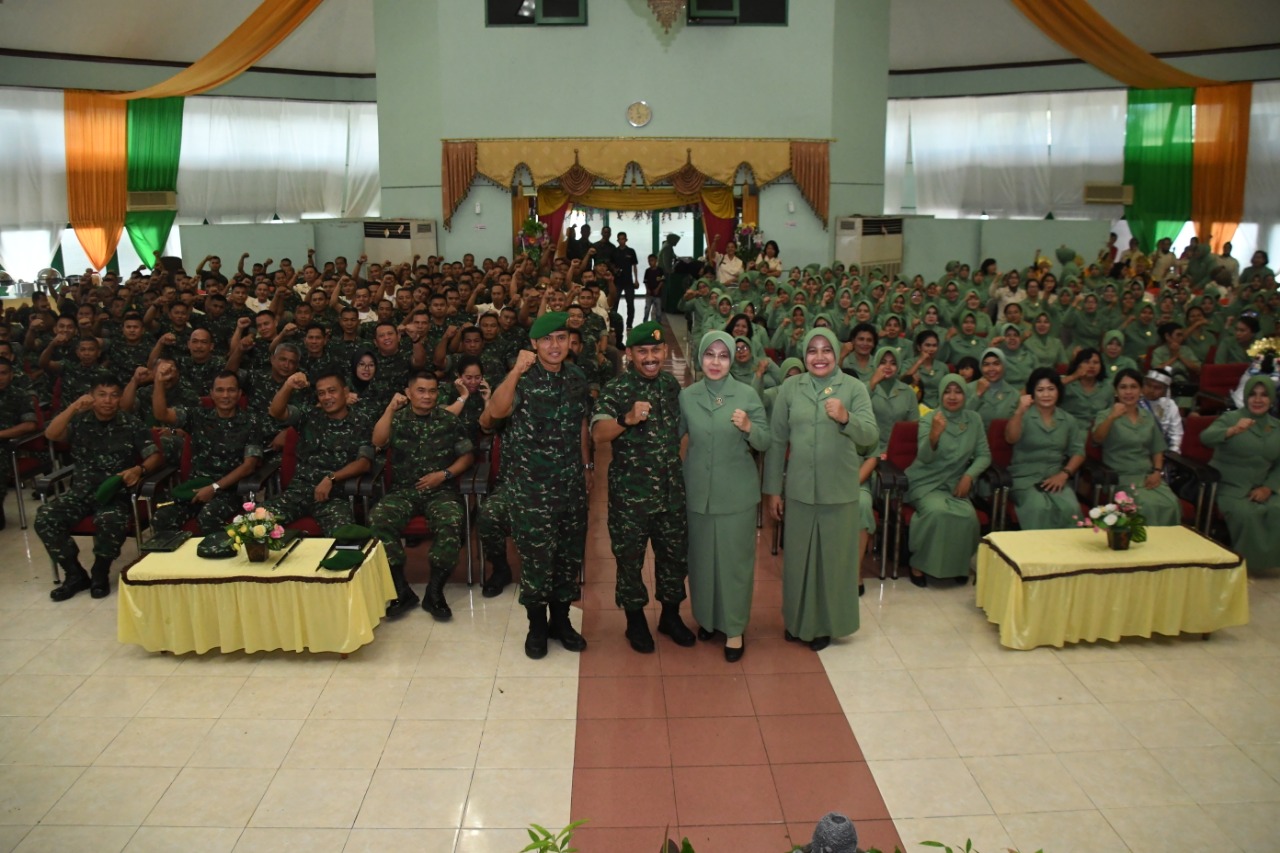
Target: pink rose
260, 512
248, 507
1121, 496
277, 532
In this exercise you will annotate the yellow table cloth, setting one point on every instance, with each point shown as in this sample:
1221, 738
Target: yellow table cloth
1051, 587
179, 602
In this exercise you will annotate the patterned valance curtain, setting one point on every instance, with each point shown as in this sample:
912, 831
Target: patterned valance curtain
576, 165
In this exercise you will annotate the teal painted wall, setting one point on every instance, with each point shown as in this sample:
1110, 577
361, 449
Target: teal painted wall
928, 244
442, 74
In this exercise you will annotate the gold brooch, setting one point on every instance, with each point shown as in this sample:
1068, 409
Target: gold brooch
826, 390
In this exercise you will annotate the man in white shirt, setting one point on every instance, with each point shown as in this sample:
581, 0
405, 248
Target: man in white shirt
1155, 398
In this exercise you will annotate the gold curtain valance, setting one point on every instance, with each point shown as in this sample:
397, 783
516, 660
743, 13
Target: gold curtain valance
607, 159
718, 200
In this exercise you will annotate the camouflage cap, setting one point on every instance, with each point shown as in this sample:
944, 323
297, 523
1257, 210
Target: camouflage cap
646, 334
552, 321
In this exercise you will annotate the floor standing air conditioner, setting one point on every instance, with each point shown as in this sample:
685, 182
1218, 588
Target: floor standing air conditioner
398, 240
870, 241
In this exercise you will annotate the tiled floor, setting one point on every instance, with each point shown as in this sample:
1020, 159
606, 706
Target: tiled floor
444, 737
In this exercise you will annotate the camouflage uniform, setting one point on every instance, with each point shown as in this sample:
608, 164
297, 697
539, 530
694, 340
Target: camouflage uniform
78, 380
221, 328
470, 414
126, 358
261, 387
218, 445
646, 488
493, 523
542, 461
99, 450
420, 445
342, 351
197, 379
393, 372
325, 444
16, 407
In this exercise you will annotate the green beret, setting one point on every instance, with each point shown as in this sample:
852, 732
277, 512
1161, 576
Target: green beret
341, 561
351, 532
109, 489
646, 334
186, 491
552, 321
215, 547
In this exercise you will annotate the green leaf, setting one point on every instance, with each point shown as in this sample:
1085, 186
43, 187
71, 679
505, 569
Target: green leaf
686, 846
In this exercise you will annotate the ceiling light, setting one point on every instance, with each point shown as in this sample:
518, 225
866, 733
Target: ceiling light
527, 9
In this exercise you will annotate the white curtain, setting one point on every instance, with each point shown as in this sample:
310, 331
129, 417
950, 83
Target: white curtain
247, 160
1087, 146
364, 188
33, 179
1262, 178
981, 155
896, 140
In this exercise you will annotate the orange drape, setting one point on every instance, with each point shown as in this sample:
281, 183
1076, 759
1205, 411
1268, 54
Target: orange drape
519, 212
260, 33
1076, 26
97, 175
750, 207
458, 170
1218, 160
811, 170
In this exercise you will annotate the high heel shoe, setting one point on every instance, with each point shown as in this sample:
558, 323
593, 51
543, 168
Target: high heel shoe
732, 654
919, 580
819, 643
704, 635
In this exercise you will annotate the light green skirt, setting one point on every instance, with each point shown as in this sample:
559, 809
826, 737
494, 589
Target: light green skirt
722, 569
820, 569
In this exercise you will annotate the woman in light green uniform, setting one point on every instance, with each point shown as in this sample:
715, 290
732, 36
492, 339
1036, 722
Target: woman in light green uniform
1048, 447
1087, 392
825, 419
1246, 451
926, 371
1133, 446
723, 421
858, 351
1018, 360
951, 453
789, 367
893, 402
991, 396
1045, 344
964, 339
1113, 358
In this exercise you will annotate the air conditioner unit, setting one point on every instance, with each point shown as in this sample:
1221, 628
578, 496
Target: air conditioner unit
1108, 194
870, 241
398, 240
144, 201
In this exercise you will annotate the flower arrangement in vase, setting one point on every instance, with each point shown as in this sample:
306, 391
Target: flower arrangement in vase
750, 240
258, 530
532, 239
1121, 520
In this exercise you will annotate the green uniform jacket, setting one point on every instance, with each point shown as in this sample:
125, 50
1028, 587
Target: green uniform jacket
825, 456
962, 450
893, 402
720, 473
424, 444
645, 471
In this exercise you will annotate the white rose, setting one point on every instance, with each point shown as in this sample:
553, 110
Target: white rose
1095, 513
1111, 507
1111, 519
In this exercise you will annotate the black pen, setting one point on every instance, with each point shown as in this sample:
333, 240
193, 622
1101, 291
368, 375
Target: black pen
287, 552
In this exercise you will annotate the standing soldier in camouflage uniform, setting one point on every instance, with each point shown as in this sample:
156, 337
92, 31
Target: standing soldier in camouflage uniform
105, 443
547, 460
226, 447
429, 449
17, 419
639, 412
333, 445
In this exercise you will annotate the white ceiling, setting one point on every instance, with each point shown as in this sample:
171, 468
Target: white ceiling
338, 37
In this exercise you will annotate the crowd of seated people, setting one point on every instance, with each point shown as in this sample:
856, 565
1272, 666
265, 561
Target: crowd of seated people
1083, 376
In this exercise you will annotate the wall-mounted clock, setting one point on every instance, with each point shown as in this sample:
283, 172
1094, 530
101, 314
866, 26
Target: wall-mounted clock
639, 114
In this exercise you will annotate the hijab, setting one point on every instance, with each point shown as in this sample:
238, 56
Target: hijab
743, 372
716, 386
824, 332
357, 385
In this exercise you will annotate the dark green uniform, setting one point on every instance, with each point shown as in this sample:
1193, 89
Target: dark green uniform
542, 461
99, 449
217, 446
325, 444
420, 445
646, 488
126, 358
16, 407
197, 379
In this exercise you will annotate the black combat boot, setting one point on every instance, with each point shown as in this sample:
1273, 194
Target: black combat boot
433, 602
74, 580
535, 644
560, 628
406, 599
638, 631
100, 585
673, 626
498, 578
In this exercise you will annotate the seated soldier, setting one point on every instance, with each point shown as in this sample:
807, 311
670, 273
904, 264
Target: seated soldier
226, 447
467, 395
333, 446
17, 418
198, 366
429, 448
105, 443
131, 350
79, 374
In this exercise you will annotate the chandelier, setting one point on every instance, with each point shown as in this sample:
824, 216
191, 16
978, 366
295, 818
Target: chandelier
667, 11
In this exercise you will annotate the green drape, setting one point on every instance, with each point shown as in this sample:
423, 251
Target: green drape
1158, 147
154, 147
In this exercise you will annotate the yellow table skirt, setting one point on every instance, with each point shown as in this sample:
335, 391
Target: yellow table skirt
178, 602
1052, 587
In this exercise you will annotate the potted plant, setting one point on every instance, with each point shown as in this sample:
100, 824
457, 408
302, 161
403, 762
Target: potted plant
1122, 520
258, 530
